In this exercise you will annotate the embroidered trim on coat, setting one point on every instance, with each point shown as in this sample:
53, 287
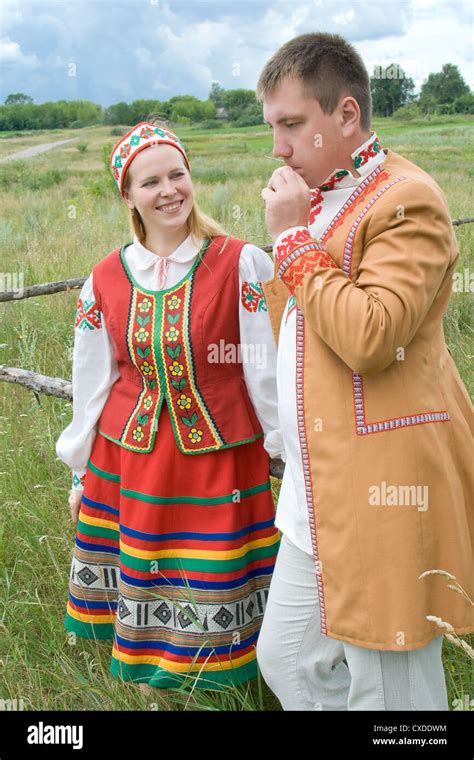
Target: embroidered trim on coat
308, 483
362, 426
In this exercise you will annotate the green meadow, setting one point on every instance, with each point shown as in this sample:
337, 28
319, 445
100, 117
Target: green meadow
62, 214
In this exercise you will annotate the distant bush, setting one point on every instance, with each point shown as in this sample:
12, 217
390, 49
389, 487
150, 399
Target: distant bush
248, 121
117, 131
184, 121
408, 113
97, 188
210, 124
464, 103
22, 133
444, 108
82, 147
18, 175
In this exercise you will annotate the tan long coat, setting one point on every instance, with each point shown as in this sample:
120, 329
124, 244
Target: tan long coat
385, 421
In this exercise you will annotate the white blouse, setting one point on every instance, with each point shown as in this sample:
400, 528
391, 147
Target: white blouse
95, 369
292, 517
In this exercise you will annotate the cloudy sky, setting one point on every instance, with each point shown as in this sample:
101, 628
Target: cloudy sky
112, 50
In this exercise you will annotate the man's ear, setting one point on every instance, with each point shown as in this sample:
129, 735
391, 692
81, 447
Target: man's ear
350, 116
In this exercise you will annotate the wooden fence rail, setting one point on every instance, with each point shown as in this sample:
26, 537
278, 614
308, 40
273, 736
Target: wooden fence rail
60, 388
56, 287
57, 386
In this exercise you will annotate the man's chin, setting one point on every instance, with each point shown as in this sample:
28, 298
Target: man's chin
307, 176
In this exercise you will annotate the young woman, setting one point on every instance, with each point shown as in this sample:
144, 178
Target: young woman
174, 421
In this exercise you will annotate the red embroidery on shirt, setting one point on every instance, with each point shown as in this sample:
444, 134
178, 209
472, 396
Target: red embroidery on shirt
316, 204
290, 242
306, 264
317, 196
370, 152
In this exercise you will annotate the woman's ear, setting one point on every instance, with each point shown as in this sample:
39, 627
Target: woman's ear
127, 199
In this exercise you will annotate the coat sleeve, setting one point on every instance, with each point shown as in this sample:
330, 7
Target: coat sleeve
409, 245
258, 345
94, 371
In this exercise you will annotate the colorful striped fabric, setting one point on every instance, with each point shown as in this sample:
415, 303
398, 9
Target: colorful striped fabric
173, 560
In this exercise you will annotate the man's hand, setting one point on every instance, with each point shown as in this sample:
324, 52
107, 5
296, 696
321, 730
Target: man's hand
287, 201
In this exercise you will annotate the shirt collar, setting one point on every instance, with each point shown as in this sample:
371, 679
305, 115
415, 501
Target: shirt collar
144, 258
365, 158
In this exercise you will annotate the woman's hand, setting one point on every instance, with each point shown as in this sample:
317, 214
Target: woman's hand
75, 503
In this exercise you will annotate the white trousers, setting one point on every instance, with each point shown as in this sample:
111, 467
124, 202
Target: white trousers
306, 670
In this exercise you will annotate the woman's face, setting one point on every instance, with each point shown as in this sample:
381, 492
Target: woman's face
160, 188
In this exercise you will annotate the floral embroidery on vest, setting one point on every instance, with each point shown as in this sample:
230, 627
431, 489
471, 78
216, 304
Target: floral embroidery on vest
88, 316
138, 432
191, 420
252, 297
159, 347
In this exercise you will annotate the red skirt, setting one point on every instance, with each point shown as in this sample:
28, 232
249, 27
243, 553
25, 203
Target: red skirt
173, 560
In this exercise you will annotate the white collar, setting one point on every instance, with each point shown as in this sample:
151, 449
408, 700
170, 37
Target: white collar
365, 159
143, 258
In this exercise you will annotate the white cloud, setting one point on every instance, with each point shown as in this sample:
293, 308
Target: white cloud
11, 14
12, 55
344, 18
128, 49
426, 46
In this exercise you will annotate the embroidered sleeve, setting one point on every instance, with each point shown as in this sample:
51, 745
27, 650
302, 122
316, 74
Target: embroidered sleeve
258, 345
94, 371
252, 297
78, 478
298, 254
88, 316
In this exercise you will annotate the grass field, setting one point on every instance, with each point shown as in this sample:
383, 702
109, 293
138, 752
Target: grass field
60, 216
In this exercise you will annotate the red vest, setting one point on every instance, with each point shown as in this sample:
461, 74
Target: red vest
164, 348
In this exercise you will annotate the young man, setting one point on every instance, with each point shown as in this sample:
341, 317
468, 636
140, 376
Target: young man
377, 487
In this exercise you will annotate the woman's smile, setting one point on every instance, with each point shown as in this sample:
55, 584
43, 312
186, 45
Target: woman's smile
171, 208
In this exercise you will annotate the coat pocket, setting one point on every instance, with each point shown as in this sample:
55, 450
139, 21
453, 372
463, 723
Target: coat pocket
365, 426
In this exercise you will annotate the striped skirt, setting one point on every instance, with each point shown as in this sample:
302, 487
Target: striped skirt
173, 560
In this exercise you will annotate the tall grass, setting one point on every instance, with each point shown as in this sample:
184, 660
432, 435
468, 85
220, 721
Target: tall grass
60, 216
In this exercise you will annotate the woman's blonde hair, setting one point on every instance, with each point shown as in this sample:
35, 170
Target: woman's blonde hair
199, 224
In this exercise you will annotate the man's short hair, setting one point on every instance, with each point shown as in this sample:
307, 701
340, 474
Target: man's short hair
328, 67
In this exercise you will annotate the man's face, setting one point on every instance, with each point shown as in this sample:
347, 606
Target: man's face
307, 139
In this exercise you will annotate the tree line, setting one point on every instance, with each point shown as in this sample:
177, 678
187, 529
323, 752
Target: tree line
444, 92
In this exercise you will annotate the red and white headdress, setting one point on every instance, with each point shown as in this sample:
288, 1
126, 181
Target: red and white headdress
141, 136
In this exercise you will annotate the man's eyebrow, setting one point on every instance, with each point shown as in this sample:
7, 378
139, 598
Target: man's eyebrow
286, 117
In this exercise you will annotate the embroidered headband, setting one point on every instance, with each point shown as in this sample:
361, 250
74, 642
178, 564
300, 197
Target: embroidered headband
139, 137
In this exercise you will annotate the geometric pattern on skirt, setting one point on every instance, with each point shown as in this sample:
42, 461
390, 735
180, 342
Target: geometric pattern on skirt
173, 560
